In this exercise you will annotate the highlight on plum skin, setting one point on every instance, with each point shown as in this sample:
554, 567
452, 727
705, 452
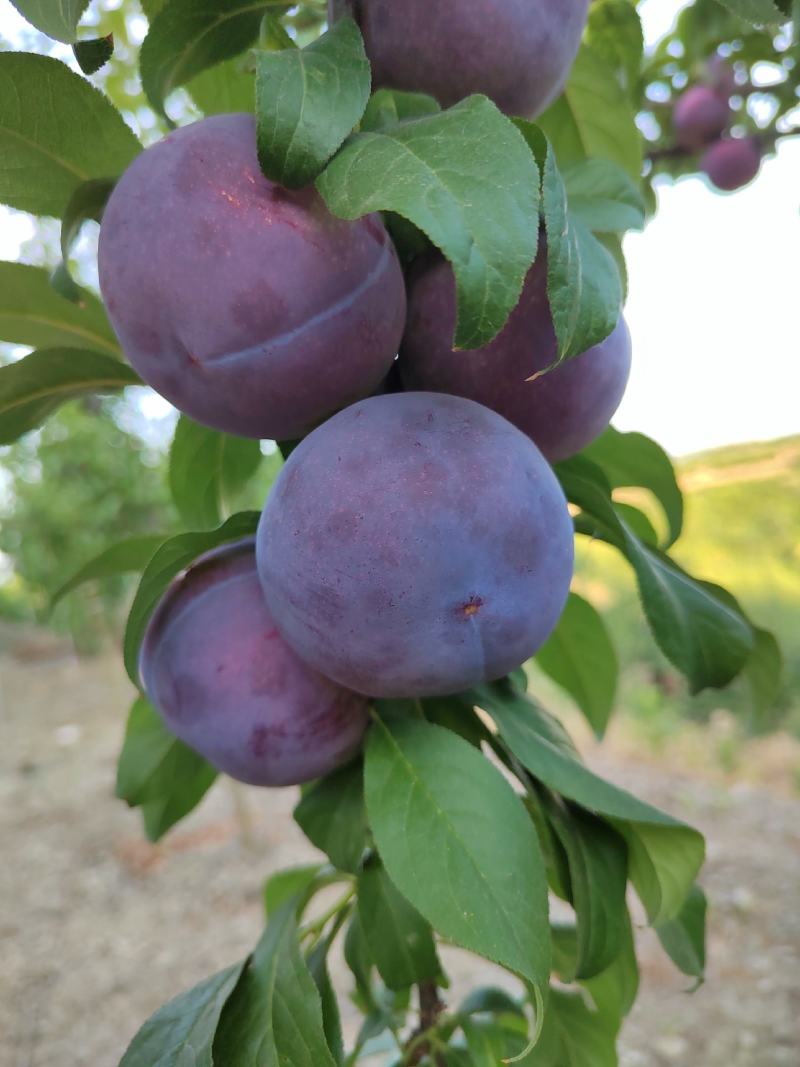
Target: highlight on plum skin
416, 544
517, 52
227, 684
248, 306
563, 410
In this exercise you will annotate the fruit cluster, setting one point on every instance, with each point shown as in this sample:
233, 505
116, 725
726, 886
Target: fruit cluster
416, 542
701, 120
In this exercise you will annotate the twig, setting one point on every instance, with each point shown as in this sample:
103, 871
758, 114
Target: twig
422, 1040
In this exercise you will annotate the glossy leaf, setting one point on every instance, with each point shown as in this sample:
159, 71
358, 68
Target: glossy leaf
158, 773
307, 101
445, 822
186, 37
664, 854
274, 1016
33, 313
400, 941
633, 460
684, 937
182, 1032
580, 657
57, 18
202, 462
333, 817
480, 208
56, 131
32, 388
125, 557
170, 559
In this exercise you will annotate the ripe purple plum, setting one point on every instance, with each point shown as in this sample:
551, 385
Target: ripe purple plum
732, 163
228, 685
562, 411
699, 117
415, 545
248, 306
518, 52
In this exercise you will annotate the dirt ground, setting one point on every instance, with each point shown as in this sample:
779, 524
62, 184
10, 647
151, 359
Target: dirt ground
98, 928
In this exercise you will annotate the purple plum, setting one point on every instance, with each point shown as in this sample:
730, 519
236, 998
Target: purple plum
732, 163
415, 545
561, 411
700, 116
227, 684
248, 306
518, 52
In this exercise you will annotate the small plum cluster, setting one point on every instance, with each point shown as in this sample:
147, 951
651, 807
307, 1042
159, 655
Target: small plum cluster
701, 119
416, 542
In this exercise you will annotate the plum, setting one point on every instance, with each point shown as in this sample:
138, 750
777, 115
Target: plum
732, 163
561, 411
225, 682
415, 544
700, 115
518, 52
248, 306
722, 76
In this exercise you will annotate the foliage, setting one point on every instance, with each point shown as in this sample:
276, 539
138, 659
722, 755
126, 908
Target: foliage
445, 845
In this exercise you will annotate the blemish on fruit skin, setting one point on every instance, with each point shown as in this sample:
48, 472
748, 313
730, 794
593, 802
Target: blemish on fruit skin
472, 607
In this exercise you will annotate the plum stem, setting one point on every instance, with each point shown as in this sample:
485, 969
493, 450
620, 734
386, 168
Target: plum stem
422, 1041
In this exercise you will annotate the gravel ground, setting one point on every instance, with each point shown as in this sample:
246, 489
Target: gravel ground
98, 928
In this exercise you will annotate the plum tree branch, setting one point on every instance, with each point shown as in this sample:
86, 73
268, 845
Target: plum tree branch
421, 1042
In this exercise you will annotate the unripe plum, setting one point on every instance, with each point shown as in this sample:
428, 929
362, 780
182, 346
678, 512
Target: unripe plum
561, 411
226, 683
248, 306
699, 117
732, 163
518, 52
415, 545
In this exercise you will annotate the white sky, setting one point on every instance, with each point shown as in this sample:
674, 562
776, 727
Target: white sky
714, 305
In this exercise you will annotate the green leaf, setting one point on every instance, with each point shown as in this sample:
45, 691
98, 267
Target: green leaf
274, 1016
182, 1032
490, 1000
32, 388
86, 204
187, 37
307, 101
614, 34
614, 991
203, 463
583, 282
400, 941
57, 18
125, 557
581, 658
387, 107
56, 131
598, 869
684, 937
764, 673
698, 630
574, 1034
633, 460
33, 313
94, 53
158, 773
594, 118
757, 12
292, 882
333, 817
170, 559
480, 208
224, 89
446, 822
604, 197
664, 854
331, 1017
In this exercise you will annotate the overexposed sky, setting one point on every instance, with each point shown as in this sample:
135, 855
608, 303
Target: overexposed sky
714, 305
